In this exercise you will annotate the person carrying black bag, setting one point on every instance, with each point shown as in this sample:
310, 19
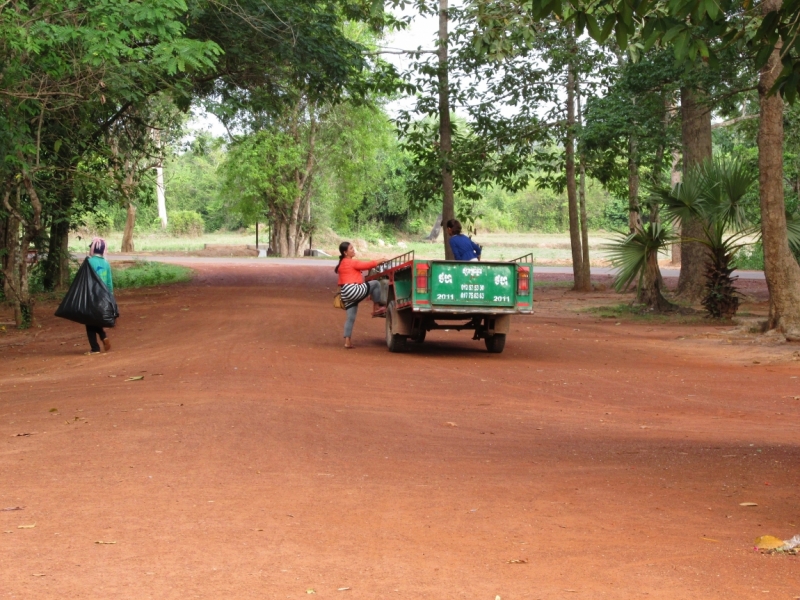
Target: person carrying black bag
90, 299
97, 261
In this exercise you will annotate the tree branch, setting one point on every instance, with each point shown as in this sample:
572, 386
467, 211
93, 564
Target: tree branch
398, 51
733, 121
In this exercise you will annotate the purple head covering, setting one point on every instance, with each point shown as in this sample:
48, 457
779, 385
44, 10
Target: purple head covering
97, 247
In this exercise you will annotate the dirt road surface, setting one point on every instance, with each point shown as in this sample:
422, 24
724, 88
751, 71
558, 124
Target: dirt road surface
253, 457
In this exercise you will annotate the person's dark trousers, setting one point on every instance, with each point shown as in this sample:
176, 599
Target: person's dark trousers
92, 332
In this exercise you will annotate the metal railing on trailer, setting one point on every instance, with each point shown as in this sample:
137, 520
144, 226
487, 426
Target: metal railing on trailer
393, 263
525, 258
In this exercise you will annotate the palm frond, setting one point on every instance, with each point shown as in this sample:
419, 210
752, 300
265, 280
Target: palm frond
628, 252
725, 183
685, 200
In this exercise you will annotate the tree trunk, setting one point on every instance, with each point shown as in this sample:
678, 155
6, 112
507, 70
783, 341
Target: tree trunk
634, 210
23, 230
11, 257
127, 234
56, 268
572, 194
651, 291
780, 268
436, 229
3, 249
445, 129
160, 196
586, 275
696, 138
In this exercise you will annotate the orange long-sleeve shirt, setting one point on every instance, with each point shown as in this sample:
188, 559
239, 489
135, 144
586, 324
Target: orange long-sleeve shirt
350, 270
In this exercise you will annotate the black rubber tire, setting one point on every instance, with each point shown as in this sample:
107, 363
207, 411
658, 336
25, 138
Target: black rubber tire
495, 343
394, 341
419, 338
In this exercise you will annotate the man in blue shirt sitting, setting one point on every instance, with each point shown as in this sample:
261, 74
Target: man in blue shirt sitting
463, 248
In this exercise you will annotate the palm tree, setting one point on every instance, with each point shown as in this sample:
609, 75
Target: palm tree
635, 256
714, 194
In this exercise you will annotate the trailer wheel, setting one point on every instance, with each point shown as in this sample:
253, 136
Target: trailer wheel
420, 337
495, 343
394, 341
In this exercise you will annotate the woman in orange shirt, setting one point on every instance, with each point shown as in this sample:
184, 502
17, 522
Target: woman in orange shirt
354, 289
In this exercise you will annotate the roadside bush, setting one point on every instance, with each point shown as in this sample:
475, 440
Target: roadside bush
185, 223
143, 274
100, 222
750, 259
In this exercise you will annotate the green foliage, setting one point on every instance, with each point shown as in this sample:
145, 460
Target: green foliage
277, 53
545, 210
714, 194
145, 274
100, 221
362, 170
260, 173
750, 259
185, 223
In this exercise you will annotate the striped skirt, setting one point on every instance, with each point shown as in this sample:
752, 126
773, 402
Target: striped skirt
353, 293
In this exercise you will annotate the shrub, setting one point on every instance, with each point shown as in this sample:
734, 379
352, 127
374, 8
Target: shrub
100, 222
751, 259
185, 223
144, 274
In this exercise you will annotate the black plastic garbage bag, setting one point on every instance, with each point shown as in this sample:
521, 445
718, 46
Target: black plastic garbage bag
88, 300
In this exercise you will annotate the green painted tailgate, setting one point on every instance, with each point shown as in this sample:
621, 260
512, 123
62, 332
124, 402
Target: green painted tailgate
473, 284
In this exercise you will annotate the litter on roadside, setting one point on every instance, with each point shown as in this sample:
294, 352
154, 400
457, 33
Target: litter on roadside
769, 543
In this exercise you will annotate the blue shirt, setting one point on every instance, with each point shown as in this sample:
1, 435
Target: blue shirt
464, 248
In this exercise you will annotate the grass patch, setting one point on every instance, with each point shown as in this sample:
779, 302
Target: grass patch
144, 274
638, 312
569, 284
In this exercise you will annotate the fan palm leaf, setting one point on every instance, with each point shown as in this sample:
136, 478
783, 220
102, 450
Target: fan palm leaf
724, 185
684, 201
628, 252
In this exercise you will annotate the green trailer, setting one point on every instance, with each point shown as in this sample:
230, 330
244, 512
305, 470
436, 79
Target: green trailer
424, 295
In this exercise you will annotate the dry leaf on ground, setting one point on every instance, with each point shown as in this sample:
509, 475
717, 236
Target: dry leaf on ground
748, 504
136, 378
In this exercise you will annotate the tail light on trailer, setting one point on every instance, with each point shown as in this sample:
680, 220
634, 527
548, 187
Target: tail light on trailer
523, 281
422, 278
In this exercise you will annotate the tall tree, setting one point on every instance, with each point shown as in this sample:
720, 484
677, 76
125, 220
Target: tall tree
780, 268
696, 142
67, 75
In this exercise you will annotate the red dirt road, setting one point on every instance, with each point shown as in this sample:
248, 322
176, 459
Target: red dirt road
259, 459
